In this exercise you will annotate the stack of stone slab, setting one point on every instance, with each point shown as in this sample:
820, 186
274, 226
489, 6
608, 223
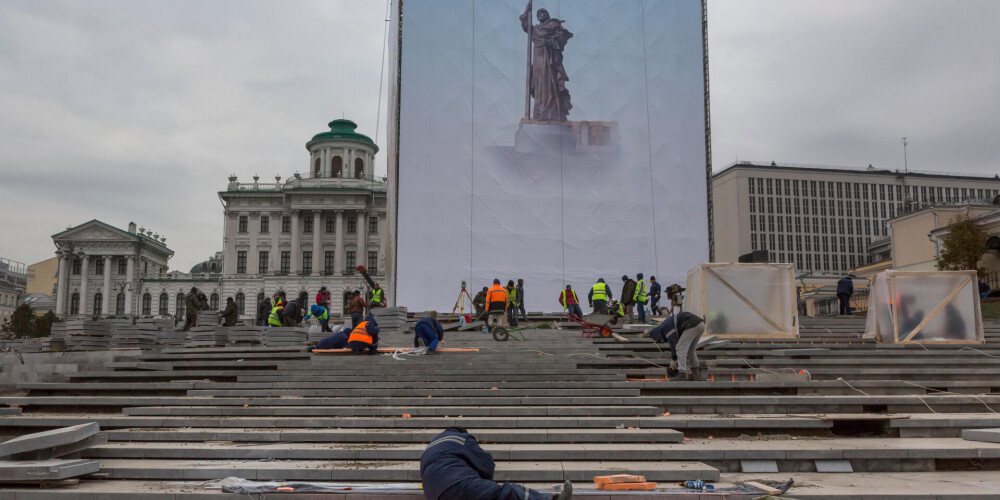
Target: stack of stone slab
390, 319
87, 335
56, 340
125, 335
243, 335
206, 336
286, 337
208, 318
170, 337
45, 456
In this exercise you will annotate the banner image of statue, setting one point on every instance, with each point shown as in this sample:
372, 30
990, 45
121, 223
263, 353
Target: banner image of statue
546, 76
499, 174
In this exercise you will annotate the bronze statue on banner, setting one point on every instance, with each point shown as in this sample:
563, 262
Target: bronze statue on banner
546, 76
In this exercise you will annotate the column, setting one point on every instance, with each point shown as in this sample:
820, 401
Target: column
129, 288
274, 264
325, 168
229, 242
350, 164
362, 259
338, 251
254, 229
296, 247
317, 242
382, 237
84, 261
61, 285
106, 297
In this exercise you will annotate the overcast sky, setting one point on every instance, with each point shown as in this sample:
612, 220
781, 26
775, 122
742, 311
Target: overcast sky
139, 110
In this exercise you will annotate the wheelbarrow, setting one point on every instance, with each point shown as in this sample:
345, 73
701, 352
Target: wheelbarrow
593, 324
502, 334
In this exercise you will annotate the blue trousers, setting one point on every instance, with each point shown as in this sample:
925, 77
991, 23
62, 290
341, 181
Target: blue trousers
484, 489
845, 303
641, 309
574, 310
428, 335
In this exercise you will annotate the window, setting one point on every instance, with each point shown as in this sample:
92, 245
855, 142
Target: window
373, 262
373, 225
317, 168
213, 301
147, 304
179, 306
99, 266
795, 187
243, 224
98, 304
331, 224
751, 184
328, 263
753, 204
120, 305
262, 258
77, 264
241, 262
359, 168
770, 186
350, 264
286, 258
286, 224
241, 303
753, 223
265, 224
74, 304
163, 305
307, 261
260, 299
352, 224
307, 224
336, 165
122, 266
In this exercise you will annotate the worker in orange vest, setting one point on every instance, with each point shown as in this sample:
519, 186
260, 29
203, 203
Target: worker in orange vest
364, 337
496, 304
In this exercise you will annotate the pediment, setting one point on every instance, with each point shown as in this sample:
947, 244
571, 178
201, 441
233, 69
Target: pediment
94, 231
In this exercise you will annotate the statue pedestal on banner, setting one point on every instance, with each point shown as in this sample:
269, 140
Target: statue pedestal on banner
584, 137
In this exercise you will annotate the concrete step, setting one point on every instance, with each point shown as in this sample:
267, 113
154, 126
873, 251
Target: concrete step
395, 411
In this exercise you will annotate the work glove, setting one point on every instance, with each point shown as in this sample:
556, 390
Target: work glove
673, 364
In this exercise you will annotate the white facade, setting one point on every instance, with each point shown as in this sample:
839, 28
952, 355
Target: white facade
822, 219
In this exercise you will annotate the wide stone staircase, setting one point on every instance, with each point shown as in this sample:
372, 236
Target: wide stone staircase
554, 406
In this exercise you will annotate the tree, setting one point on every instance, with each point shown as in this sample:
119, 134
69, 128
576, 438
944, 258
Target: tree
963, 246
22, 322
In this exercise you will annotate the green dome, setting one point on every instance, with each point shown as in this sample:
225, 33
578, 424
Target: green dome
342, 129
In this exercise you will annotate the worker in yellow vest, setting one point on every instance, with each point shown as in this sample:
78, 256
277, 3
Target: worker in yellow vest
512, 303
570, 302
599, 296
640, 297
364, 337
274, 319
378, 297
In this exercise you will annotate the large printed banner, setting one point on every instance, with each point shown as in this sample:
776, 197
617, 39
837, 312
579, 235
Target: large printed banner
559, 142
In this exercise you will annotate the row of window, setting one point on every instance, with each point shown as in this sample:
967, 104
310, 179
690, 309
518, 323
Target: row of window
307, 224
147, 304
780, 223
77, 266
818, 207
263, 259
864, 190
337, 167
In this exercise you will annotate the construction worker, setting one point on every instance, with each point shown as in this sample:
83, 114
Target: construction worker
322, 315
335, 341
274, 319
378, 297
455, 467
191, 307
356, 307
292, 315
323, 297
263, 309
512, 303
570, 302
617, 312
654, 296
479, 302
430, 331
231, 313
599, 296
628, 295
496, 303
520, 299
639, 298
364, 337
687, 329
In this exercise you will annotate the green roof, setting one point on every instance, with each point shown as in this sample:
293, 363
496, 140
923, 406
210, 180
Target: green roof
342, 129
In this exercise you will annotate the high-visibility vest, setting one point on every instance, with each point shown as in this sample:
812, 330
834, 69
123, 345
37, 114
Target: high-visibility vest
617, 310
600, 291
275, 318
324, 316
360, 334
496, 293
512, 296
640, 292
562, 297
377, 296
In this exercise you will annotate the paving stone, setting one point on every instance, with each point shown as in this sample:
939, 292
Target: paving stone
48, 439
761, 466
45, 470
984, 435
833, 466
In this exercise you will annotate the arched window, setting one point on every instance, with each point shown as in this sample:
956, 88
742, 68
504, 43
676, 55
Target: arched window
120, 305
318, 169
260, 298
336, 165
164, 305
359, 168
98, 304
147, 304
241, 303
74, 304
179, 307
214, 301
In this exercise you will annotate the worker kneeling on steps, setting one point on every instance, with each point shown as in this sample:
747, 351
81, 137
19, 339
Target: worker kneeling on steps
335, 341
430, 331
682, 331
454, 467
364, 337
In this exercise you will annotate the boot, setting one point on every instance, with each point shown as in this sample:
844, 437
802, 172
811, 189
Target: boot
566, 493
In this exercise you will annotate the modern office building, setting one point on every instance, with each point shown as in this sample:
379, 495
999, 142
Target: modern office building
823, 218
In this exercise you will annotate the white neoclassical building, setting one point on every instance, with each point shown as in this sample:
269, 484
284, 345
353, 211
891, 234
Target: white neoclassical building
294, 236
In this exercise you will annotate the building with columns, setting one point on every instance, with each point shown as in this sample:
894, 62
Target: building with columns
291, 236
307, 232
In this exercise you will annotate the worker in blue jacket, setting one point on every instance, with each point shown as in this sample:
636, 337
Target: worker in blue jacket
320, 313
430, 331
682, 331
454, 467
335, 341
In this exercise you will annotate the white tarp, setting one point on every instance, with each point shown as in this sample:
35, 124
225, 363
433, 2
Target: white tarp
932, 306
475, 194
744, 300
